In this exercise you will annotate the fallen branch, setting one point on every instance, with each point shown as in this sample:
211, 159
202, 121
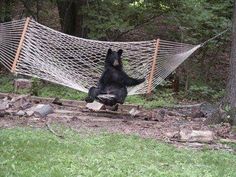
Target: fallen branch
227, 141
52, 131
188, 106
107, 113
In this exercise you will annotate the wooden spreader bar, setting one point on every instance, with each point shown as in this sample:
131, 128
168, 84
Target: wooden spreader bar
13, 69
150, 79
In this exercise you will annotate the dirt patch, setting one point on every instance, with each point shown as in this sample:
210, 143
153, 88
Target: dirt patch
163, 124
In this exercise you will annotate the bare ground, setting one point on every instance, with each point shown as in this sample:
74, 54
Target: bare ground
162, 124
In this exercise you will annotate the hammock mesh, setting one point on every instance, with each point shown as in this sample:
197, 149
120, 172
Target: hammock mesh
78, 63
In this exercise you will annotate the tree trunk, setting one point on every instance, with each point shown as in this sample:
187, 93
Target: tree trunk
227, 108
231, 86
71, 17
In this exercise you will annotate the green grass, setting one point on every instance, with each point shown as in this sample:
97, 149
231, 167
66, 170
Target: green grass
159, 99
36, 152
53, 90
6, 83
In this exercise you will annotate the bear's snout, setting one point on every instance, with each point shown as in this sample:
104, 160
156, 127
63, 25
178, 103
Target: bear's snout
116, 63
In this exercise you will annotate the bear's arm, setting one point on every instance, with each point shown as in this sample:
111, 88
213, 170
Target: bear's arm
110, 76
123, 79
129, 81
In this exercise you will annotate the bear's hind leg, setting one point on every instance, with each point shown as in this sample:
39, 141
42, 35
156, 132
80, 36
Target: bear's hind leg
92, 94
121, 95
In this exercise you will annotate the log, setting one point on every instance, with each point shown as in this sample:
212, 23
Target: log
202, 136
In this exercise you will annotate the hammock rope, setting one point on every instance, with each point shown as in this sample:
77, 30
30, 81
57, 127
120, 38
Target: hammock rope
32, 49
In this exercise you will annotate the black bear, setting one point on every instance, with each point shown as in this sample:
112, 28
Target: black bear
113, 81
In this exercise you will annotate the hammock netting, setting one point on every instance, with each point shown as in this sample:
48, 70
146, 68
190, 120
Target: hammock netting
78, 63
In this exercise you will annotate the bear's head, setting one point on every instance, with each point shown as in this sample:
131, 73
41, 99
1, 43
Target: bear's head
113, 59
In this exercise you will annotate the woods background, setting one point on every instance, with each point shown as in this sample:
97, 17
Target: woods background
188, 21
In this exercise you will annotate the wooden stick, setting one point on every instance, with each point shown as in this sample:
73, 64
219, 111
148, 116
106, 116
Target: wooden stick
149, 89
20, 45
51, 130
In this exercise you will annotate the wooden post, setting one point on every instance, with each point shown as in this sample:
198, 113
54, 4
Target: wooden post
150, 80
13, 68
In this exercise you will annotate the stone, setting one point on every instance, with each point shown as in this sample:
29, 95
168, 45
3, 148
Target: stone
134, 112
4, 105
29, 113
207, 109
20, 102
2, 113
96, 106
25, 105
172, 134
20, 113
22, 84
42, 110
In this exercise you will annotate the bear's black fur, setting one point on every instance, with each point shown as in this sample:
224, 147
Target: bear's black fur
113, 81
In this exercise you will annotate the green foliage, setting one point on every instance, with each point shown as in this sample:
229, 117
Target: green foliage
6, 10
202, 92
201, 19
36, 152
6, 83
107, 19
205, 92
36, 84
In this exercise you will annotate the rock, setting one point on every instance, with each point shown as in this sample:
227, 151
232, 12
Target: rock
201, 136
20, 102
134, 112
96, 106
4, 105
223, 130
22, 84
29, 113
25, 105
6, 98
2, 113
207, 109
20, 113
42, 110
172, 134
162, 113
57, 101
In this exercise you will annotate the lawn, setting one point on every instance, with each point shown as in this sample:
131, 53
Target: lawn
37, 152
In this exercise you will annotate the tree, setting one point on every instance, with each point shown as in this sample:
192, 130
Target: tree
5, 10
231, 86
110, 20
71, 17
32, 8
227, 108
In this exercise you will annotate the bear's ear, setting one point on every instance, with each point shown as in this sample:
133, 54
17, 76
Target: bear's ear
109, 52
120, 52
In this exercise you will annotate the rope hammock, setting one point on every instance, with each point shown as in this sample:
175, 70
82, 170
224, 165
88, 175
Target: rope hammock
32, 49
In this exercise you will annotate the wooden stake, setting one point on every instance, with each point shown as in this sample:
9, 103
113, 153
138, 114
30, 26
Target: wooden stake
20, 45
149, 89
